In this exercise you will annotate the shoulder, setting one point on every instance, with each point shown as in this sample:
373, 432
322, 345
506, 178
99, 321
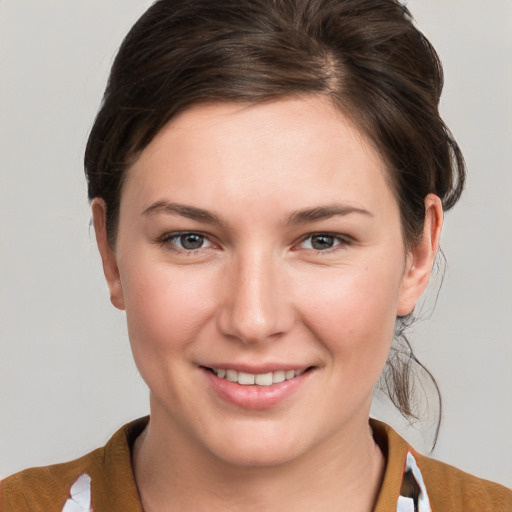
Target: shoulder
452, 489
447, 488
106, 472
45, 488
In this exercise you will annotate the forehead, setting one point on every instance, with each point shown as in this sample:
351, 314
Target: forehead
296, 149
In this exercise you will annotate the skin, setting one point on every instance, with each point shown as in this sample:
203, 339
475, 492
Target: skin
258, 291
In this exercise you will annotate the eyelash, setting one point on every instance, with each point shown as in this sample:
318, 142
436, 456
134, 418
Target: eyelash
170, 239
341, 242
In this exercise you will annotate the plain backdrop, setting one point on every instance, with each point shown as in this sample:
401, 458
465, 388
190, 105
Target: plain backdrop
67, 380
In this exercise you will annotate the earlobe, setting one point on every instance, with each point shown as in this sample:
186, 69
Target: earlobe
421, 257
108, 255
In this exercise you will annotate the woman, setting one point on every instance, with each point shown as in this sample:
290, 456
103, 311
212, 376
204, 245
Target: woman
267, 183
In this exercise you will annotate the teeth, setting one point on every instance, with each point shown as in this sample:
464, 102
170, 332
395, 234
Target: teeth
246, 378
278, 376
232, 375
263, 379
260, 379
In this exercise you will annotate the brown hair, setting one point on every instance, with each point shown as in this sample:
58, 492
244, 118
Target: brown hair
365, 55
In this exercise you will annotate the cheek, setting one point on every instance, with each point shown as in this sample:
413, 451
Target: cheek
165, 308
353, 312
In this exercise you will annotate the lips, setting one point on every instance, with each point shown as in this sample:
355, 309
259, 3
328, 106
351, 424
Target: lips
256, 389
256, 379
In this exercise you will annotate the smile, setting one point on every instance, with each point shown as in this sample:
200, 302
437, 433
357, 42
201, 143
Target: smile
259, 389
259, 379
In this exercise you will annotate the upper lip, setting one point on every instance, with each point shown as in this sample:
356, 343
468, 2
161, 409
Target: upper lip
258, 368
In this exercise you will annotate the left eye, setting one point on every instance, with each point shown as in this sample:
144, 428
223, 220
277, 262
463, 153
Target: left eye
320, 242
188, 241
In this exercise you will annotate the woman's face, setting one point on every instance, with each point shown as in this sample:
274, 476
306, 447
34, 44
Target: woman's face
261, 264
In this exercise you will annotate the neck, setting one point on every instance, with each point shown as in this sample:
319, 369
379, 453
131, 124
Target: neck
343, 473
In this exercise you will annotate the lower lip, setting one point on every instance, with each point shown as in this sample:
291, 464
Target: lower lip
255, 397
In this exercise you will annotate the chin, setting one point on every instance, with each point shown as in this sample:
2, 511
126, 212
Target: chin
258, 444
256, 455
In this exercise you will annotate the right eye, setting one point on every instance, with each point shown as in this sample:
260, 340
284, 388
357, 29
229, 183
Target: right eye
186, 241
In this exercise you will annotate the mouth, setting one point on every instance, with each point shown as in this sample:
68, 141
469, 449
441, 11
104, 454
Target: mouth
256, 391
257, 379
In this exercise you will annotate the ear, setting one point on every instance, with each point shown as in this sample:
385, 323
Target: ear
107, 253
420, 258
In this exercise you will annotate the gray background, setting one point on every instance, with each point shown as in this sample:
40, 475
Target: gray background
67, 380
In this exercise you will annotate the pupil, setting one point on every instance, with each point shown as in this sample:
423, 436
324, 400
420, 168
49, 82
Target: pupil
322, 242
191, 241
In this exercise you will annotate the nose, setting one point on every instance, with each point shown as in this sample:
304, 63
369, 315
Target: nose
256, 307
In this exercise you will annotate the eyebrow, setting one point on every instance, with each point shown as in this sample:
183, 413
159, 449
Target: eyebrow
190, 212
324, 212
297, 217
